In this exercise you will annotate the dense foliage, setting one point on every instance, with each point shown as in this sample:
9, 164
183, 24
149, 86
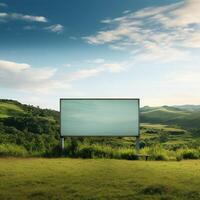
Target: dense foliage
31, 127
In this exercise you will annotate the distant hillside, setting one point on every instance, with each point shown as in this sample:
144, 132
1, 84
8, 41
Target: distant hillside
12, 108
194, 108
187, 116
184, 116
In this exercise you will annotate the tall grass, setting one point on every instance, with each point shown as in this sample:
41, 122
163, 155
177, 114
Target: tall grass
12, 150
157, 152
86, 150
105, 151
188, 153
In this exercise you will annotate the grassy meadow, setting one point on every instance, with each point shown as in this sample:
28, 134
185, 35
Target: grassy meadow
64, 178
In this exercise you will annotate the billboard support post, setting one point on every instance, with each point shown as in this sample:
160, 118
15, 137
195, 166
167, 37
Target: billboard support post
137, 143
62, 143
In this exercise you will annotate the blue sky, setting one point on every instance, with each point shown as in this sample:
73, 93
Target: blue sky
147, 49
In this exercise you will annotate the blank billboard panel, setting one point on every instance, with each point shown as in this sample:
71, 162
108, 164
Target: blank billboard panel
99, 117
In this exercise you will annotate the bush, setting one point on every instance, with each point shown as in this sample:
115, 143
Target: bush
187, 154
156, 152
128, 154
95, 151
85, 152
12, 150
103, 151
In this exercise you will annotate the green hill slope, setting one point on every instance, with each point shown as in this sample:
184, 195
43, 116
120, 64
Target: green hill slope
189, 107
32, 127
8, 109
171, 115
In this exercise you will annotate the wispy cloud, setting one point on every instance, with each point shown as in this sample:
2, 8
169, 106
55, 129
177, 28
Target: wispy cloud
22, 17
84, 73
99, 68
55, 28
46, 80
3, 5
23, 76
164, 33
10, 16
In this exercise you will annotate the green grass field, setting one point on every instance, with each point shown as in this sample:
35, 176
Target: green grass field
38, 178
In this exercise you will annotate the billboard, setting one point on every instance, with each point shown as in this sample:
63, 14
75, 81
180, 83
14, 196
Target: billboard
99, 117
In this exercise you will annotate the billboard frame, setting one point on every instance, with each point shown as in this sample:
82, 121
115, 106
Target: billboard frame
99, 98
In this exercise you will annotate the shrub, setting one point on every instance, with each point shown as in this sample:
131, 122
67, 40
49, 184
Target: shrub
104, 151
179, 157
12, 150
128, 154
85, 152
156, 152
188, 154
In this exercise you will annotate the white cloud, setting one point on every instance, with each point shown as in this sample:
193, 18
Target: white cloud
22, 17
126, 11
3, 5
154, 11
84, 73
94, 71
23, 76
30, 18
156, 53
3, 15
10, 16
12, 66
163, 34
56, 28
187, 13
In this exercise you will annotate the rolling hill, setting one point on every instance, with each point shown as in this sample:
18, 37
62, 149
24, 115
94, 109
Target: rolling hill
189, 107
179, 116
186, 116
